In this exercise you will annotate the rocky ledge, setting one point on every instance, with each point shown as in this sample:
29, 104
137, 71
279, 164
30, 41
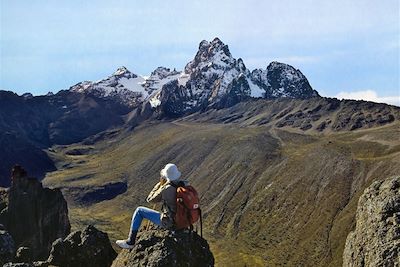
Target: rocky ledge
375, 241
166, 248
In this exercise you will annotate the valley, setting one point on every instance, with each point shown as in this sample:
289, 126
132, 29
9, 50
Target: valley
270, 195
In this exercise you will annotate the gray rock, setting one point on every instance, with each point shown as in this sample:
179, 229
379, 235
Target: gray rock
375, 241
166, 248
89, 248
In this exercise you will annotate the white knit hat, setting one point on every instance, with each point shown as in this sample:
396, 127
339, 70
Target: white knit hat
170, 172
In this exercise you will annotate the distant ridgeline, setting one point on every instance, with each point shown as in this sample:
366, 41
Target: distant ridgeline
213, 80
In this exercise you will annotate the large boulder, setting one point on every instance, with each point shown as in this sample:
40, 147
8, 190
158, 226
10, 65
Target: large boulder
87, 248
34, 216
166, 248
376, 239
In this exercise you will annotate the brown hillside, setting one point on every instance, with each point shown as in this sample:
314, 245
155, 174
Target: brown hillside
275, 195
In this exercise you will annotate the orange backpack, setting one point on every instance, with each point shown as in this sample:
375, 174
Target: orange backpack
188, 209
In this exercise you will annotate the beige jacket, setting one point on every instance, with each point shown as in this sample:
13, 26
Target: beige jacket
167, 195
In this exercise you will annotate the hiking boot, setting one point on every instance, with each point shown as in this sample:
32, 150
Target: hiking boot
127, 243
124, 244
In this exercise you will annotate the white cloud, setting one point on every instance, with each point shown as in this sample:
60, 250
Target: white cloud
369, 95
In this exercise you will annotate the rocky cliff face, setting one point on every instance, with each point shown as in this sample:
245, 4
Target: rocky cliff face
376, 238
34, 216
165, 248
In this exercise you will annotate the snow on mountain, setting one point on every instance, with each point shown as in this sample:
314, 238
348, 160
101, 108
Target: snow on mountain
214, 78
158, 78
256, 91
213, 69
124, 85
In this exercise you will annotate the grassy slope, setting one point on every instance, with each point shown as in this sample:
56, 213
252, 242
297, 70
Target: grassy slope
269, 196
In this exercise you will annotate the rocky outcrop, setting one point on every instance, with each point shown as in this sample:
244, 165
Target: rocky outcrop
87, 248
166, 248
34, 216
376, 239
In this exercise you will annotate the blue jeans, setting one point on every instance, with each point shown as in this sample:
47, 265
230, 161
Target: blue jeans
144, 213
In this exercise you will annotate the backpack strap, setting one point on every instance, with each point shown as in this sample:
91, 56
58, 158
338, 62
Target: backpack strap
179, 184
201, 224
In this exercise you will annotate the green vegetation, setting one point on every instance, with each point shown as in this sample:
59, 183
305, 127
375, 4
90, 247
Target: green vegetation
269, 196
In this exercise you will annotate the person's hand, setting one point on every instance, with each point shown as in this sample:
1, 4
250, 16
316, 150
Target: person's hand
162, 180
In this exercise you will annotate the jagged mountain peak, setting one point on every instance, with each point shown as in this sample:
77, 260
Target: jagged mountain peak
216, 43
287, 81
276, 64
211, 54
283, 80
123, 72
284, 67
162, 72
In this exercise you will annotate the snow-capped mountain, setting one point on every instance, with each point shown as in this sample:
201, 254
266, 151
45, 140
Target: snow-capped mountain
122, 85
160, 77
214, 78
282, 80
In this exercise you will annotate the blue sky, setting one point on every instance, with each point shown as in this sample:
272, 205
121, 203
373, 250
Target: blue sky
345, 48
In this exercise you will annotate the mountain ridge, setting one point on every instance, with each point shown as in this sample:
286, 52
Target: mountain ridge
213, 78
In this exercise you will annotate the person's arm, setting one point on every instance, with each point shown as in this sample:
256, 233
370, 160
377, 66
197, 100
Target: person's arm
155, 194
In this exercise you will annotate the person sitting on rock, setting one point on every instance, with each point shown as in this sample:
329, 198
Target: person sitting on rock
164, 192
